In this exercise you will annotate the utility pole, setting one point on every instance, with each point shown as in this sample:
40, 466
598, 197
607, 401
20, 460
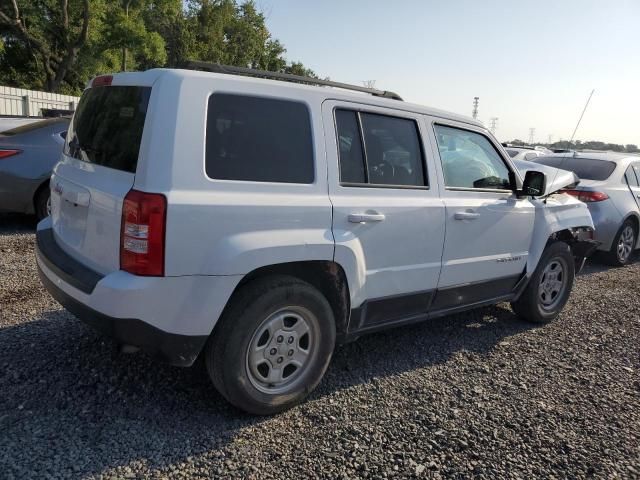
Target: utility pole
532, 134
494, 124
550, 139
369, 83
474, 113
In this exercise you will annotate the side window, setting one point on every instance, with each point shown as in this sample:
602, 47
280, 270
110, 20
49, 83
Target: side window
392, 153
350, 145
469, 160
636, 169
630, 176
258, 139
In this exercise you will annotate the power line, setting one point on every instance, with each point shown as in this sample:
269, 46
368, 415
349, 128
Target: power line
532, 135
474, 112
369, 83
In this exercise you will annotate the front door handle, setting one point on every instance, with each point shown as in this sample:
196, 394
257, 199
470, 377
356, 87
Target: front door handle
366, 217
466, 215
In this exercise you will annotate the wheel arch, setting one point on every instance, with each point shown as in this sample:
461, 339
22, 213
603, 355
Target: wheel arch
327, 276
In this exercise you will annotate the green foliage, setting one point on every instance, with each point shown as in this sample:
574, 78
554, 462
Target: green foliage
58, 45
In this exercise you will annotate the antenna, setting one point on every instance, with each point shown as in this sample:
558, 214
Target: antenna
474, 112
494, 124
581, 115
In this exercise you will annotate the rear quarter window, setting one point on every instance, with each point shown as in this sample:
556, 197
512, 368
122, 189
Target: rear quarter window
258, 139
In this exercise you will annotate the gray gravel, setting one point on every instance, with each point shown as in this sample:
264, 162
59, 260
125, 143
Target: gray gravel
481, 394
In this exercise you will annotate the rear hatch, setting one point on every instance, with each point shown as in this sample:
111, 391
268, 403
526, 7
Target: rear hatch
96, 171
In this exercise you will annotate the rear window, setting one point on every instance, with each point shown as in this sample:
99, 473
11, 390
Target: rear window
585, 168
512, 153
258, 139
107, 126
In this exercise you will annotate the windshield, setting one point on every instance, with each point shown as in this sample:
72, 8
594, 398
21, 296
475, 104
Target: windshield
585, 168
107, 126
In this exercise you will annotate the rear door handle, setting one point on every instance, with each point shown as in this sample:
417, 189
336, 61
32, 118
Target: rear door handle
366, 217
466, 215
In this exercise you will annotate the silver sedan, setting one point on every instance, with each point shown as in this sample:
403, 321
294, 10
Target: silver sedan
610, 186
27, 156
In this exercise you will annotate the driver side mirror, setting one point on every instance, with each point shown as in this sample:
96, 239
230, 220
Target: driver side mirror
534, 183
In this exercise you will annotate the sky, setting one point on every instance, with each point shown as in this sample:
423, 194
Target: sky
532, 63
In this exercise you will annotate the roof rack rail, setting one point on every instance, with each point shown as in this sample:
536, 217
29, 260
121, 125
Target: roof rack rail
287, 77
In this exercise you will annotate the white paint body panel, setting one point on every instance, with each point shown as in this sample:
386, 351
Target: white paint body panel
402, 253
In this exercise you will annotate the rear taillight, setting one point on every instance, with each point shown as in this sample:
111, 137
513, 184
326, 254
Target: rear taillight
142, 233
5, 153
587, 196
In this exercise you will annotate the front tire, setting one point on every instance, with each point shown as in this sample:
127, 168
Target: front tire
623, 245
549, 287
272, 346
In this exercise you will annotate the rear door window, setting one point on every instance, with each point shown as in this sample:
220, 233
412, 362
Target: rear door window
630, 176
258, 139
107, 126
392, 153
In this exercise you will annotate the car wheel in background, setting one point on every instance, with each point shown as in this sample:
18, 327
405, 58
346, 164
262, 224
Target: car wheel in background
623, 245
42, 202
549, 287
272, 346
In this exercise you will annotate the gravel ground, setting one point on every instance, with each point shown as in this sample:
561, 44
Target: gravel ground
481, 394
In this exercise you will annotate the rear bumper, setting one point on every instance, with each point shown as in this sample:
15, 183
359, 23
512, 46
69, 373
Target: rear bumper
167, 317
180, 350
16, 193
607, 221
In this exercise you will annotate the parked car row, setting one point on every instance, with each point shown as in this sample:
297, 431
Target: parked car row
260, 223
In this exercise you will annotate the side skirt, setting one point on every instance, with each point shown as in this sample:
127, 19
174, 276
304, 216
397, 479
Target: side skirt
398, 310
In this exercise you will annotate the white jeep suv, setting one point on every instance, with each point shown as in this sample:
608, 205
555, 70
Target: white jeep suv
260, 222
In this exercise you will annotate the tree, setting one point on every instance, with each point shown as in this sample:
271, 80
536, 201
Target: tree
58, 45
50, 34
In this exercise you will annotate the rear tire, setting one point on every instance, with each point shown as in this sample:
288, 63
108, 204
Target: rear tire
42, 202
272, 346
549, 287
623, 245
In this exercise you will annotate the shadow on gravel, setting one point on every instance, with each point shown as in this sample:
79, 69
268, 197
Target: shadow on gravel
70, 404
12, 223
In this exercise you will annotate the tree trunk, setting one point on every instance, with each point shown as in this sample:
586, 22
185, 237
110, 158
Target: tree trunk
124, 59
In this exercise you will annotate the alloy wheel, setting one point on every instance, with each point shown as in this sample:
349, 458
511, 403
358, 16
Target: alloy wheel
625, 243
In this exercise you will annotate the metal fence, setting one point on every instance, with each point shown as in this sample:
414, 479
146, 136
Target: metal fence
29, 103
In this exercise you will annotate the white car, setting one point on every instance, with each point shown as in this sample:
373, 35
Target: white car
260, 222
526, 153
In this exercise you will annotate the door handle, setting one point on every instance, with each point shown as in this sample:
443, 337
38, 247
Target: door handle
366, 217
466, 215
